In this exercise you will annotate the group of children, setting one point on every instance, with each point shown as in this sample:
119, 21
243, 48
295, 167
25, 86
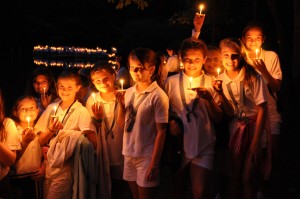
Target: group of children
90, 149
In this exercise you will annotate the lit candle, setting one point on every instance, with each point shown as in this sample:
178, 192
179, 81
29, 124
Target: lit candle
256, 53
181, 66
44, 91
201, 8
93, 94
191, 79
122, 82
218, 71
54, 110
28, 121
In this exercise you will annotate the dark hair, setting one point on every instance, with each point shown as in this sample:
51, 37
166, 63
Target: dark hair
192, 43
147, 58
100, 66
70, 74
212, 47
3, 134
14, 115
236, 44
41, 70
253, 25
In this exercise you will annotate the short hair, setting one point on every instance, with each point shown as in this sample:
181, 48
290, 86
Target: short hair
192, 43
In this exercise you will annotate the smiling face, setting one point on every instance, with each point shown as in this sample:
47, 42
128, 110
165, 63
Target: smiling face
213, 62
41, 84
253, 39
27, 109
230, 58
103, 81
193, 62
67, 89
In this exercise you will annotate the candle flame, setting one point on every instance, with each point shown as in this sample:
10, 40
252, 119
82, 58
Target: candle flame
121, 81
218, 70
201, 8
28, 119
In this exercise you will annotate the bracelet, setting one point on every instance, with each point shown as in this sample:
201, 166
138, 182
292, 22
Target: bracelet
97, 120
51, 130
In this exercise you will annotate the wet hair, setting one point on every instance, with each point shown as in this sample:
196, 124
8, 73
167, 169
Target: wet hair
147, 58
16, 106
41, 70
3, 134
236, 44
253, 25
192, 43
70, 74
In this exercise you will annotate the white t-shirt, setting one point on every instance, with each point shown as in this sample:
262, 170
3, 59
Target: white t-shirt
199, 134
173, 64
12, 142
154, 109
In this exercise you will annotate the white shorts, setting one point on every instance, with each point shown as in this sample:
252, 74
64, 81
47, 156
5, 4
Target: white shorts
135, 170
205, 161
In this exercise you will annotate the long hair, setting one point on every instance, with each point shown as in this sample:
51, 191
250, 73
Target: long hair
50, 78
147, 58
236, 44
2, 117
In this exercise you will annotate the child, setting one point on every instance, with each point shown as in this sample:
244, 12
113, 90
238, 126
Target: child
146, 121
268, 65
197, 111
29, 159
41, 85
105, 110
9, 144
246, 90
61, 125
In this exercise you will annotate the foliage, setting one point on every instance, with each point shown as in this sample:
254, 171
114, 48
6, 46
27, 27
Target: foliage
141, 4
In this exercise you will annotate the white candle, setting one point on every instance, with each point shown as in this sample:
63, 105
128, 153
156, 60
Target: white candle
256, 53
181, 66
218, 71
201, 8
93, 94
28, 121
54, 110
191, 79
44, 91
122, 82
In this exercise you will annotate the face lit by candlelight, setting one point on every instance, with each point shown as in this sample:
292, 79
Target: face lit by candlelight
41, 84
27, 110
253, 39
230, 58
213, 61
193, 61
103, 81
138, 72
67, 89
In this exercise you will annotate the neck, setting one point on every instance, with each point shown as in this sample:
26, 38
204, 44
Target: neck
141, 86
107, 96
232, 74
66, 104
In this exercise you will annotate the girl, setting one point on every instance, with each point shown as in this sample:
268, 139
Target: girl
9, 144
246, 90
268, 65
61, 125
146, 121
191, 98
41, 85
29, 159
105, 111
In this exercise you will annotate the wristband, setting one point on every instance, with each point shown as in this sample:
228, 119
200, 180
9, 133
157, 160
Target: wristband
97, 120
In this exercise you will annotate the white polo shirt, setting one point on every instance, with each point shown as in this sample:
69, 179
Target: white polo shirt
199, 134
154, 109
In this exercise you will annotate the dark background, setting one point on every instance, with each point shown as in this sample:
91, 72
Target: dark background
97, 23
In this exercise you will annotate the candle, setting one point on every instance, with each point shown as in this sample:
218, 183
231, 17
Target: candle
28, 121
256, 53
44, 91
93, 94
218, 71
201, 8
54, 110
122, 82
191, 79
181, 65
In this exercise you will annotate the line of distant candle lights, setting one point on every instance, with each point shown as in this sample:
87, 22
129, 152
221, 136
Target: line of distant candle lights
51, 55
